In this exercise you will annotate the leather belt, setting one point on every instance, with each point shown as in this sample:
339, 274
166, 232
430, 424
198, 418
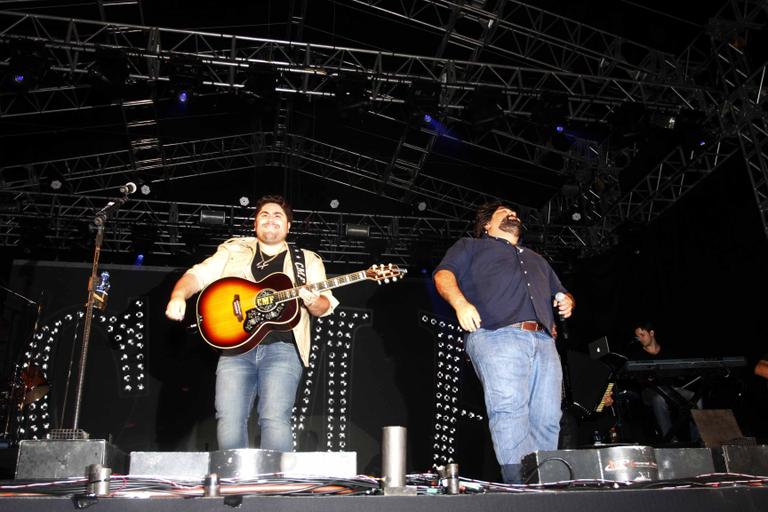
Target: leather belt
528, 325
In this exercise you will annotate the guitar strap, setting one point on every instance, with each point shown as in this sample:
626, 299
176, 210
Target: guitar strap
299, 267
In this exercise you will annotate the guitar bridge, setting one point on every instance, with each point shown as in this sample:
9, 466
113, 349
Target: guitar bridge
237, 309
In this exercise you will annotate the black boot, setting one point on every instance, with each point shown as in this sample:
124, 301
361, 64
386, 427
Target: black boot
512, 473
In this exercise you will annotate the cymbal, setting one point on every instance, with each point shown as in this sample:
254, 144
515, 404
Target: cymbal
36, 393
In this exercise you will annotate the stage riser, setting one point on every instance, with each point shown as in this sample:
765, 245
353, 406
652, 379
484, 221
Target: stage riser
64, 459
668, 463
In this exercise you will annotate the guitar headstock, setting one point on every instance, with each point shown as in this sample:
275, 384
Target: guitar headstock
385, 273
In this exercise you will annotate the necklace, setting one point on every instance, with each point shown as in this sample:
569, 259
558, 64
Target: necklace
263, 263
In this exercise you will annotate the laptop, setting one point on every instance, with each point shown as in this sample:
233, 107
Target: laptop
599, 348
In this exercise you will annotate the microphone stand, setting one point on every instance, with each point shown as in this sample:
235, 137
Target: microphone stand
99, 220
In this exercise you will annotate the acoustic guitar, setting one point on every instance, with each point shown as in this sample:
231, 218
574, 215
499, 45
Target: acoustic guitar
235, 314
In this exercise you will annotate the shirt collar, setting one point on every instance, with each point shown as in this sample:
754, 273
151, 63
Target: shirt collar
503, 240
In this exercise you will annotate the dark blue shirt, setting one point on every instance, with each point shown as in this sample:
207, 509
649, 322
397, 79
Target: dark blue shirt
506, 283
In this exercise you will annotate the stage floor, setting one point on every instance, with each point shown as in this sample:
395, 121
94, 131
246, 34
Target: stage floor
742, 499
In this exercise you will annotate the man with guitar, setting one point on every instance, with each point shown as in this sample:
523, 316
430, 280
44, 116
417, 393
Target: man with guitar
503, 295
266, 361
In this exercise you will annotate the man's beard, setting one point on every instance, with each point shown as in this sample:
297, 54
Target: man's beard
511, 225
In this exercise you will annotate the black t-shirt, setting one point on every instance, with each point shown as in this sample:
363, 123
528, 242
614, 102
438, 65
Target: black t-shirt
273, 265
636, 352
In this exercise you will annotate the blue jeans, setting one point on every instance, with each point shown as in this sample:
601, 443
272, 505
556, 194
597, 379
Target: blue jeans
271, 372
521, 376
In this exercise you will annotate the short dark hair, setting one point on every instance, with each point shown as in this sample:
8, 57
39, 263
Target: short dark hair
278, 200
645, 325
485, 212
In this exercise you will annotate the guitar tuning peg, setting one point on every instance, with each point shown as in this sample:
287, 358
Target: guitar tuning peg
394, 279
378, 283
386, 279
375, 266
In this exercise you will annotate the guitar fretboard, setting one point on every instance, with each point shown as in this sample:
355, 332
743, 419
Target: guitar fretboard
328, 284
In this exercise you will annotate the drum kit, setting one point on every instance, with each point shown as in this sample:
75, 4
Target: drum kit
27, 385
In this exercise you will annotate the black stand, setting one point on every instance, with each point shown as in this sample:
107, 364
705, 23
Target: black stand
100, 220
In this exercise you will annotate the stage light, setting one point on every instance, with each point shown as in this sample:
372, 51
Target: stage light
421, 206
427, 118
702, 143
183, 96
576, 216
559, 128
18, 79
212, 217
357, 231
56, 184
334, 203
244, 201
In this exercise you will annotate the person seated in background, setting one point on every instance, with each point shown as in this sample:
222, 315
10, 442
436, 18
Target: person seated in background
648, 347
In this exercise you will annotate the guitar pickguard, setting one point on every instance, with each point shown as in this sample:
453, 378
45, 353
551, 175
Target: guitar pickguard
265, 311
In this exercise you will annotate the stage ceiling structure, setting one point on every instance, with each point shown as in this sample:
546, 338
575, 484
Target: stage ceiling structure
408, 114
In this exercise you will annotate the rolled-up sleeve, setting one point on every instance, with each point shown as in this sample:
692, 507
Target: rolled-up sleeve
210, 269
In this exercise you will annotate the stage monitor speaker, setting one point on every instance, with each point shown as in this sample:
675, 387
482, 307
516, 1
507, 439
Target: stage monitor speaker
678, 463
745, 459
716, 426
616, 463
49, 459
172, 465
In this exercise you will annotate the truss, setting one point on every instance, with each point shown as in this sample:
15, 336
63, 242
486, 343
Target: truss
60, 222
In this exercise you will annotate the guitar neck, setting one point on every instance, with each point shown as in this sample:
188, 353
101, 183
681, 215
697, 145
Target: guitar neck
328, 284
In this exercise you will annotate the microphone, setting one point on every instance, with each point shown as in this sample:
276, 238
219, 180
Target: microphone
559, 296
128, 188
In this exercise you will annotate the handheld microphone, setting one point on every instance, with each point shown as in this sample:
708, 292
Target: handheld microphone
559, 296
128, 188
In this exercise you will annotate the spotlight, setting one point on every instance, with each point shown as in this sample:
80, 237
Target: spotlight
421, 206
427, 118
56, 184
357, 231
702, 143
145, 189
244, 201
334, 203
576, 216
18, 79
559, 128
183, 96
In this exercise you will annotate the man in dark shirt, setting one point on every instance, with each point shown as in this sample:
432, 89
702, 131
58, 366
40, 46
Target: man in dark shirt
503, 295
653, 395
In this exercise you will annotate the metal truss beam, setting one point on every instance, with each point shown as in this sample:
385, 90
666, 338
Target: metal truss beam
741, 122
311, 69
61, 223
520, 32
108, 171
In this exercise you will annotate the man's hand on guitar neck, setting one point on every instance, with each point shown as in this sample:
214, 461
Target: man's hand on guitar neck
315, 303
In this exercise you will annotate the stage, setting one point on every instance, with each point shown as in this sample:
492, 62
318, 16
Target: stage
742, 497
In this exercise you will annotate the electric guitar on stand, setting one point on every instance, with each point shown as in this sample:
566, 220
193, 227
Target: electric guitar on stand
235, 314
